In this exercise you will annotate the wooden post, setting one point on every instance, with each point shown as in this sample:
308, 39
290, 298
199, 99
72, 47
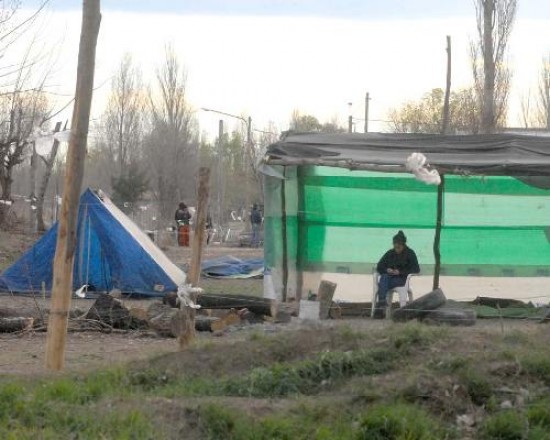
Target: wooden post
66, 236
186, 316
325, 295
447, 103
199, 237
438, 225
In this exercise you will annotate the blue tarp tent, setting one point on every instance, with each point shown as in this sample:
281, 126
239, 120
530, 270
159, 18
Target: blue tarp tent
112, 253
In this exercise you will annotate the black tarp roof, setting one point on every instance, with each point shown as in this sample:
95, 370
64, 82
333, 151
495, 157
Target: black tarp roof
498, 154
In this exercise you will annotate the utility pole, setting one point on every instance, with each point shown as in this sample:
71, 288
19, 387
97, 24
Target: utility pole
350, 119
220, 173
447, 103
367, 99
62, 287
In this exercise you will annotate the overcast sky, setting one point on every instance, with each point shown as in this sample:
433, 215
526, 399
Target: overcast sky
265, 58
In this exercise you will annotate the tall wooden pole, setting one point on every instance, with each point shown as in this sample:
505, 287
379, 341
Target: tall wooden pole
438, 226
199, 237
447, 104
186, 316
66, 233
367, 99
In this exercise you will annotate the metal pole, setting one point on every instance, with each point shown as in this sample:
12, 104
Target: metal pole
367, 99
350, 124
220, 177
438, 226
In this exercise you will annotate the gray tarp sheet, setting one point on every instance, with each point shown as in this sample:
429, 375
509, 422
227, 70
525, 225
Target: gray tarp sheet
498, 154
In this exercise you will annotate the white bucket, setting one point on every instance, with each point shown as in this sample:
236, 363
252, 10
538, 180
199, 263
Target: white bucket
309, 310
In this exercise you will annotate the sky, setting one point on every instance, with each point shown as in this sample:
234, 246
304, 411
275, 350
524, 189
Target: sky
264, 58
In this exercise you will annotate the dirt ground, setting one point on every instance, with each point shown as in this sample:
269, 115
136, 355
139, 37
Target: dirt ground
89, 350
23, 354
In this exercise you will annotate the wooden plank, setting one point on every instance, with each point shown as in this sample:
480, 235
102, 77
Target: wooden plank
66, 238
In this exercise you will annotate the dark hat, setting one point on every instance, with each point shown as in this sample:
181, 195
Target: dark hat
400, 238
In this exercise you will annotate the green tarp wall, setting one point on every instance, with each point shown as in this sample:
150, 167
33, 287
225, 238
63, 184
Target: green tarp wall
343, 221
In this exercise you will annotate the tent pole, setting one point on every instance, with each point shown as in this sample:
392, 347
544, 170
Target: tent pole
437, 239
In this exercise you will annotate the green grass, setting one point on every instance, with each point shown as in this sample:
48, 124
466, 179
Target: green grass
399, 422
220, 423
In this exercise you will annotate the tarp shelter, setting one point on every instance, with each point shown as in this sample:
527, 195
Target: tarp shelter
112, 253
334, 201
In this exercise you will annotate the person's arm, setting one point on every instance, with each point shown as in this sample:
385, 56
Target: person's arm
412, 264
383, 265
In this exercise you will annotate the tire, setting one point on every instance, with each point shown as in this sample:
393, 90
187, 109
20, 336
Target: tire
418, 308
449, 315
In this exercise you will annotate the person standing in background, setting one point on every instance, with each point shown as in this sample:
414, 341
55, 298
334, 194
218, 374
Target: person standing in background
183, 219
256, 220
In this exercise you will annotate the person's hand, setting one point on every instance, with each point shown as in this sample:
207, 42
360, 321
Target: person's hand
391, 271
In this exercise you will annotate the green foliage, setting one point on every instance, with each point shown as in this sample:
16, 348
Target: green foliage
129, 187
220, 423
507, 425
538, 414
426, 114
398, 422
307, 377
538, 366
414, 335
478, 387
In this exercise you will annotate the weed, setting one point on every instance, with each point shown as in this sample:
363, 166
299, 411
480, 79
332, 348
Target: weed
478, 387
451, 364
398, 422
538, 366
220, 423
507, 425
539, 414
517, 337
307, 377
405, 337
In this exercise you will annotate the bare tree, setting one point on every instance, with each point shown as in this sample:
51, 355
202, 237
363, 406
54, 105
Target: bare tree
544, 94
122, 125
526, 110
495, 19
172, 147
425, 115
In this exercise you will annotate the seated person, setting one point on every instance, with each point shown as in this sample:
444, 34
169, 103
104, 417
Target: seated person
394, 267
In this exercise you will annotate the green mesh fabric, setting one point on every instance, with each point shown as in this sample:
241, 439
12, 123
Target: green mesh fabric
343, 221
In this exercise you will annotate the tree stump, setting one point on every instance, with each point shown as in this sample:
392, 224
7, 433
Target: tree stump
326, 293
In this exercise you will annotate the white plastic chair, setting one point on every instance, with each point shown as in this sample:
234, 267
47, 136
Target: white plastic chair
405, 293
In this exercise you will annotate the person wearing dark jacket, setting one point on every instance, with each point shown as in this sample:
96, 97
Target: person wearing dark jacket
183, 219
394, 268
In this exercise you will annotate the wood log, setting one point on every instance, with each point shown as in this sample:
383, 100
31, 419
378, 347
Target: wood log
111, 311
258, 306
18, 324
325, 295
503, 303
209, 324
350, 310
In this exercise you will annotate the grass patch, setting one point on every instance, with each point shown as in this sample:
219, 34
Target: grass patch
399, 422
507, 425
477, 385
310, 376
220, 423
538, 367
